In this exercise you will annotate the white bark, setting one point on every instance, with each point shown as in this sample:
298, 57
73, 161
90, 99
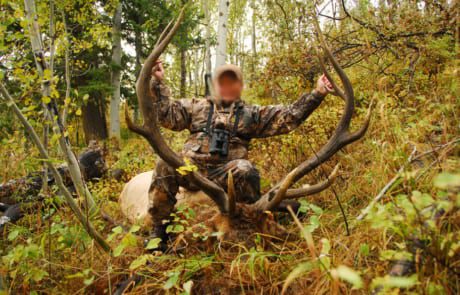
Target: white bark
208, 37
221, 52
57, 176
116, 75
39, 55
207, 57
253, 32
67, 73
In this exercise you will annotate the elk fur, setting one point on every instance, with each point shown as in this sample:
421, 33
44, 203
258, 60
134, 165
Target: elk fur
134, 203
134, 199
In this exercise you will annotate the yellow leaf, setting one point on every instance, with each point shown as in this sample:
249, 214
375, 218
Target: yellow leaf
187, 168
78, 112
46, 99
54, 93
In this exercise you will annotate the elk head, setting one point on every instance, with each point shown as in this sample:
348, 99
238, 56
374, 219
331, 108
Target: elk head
233, 217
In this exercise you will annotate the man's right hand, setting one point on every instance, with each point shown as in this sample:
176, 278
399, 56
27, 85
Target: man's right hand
158, 71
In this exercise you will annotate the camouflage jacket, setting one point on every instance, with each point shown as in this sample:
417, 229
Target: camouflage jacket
253, 122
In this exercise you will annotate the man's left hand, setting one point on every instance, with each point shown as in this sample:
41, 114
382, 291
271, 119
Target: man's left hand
324, 86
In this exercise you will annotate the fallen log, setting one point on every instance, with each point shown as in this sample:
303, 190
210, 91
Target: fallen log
28, 188
22, 195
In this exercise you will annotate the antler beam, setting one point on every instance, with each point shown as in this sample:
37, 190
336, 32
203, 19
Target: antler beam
150, 129
340, 138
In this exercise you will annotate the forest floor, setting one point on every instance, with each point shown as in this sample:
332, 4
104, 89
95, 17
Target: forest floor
67, 261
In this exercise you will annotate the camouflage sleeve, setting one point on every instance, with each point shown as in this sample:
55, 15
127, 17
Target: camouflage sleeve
279, 119
173, 114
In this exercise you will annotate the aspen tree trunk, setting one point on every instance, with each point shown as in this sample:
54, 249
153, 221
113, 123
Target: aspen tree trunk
253, 60
67, 73
208, 38
46, 127
253, 31
208, 66
39, 55
235, 45
57, 176
116, 75
221, 51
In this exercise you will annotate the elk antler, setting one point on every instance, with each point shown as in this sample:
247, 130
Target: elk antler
339, 139
150, 129
231, 194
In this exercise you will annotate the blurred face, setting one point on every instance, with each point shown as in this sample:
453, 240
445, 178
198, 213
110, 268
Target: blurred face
228, 87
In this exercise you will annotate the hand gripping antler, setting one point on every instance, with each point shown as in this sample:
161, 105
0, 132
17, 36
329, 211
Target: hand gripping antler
339, 139
150, 129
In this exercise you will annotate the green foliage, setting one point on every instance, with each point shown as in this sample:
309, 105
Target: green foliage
127, 241
22, 262
447, 181
181, 219
349, 275
87, 276
314, 211
399, 54
138, 262
392, 282
415, 219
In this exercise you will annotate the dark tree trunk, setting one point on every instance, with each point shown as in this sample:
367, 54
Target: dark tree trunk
94, 121
183, 72
138, 48
137, 67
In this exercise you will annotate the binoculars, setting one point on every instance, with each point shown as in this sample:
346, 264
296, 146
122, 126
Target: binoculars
219, 142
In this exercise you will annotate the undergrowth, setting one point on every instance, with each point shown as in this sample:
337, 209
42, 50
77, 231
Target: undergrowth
49, 252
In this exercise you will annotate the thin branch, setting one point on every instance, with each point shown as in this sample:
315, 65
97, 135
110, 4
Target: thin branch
332, 17
57, 176
51, 107
386, 187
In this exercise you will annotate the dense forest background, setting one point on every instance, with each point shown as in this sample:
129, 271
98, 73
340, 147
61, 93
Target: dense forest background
70, 67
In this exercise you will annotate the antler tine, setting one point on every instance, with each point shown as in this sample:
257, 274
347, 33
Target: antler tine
322, 65
151, 131
361, 131
132, 126
340, 138
142, 85
231, 194
164, 33
313, 189
347, 94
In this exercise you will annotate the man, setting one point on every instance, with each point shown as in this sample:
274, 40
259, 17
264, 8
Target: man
220, 131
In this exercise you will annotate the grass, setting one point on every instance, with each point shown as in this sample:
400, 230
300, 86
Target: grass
73, 264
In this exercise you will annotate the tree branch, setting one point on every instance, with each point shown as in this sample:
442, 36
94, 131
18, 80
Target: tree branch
57, 176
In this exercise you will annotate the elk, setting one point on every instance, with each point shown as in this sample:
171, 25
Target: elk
229, 217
